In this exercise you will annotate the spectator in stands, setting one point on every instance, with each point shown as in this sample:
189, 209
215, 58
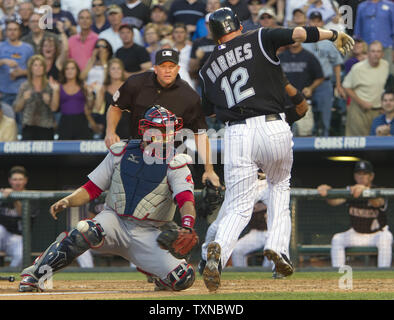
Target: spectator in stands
10, 13
95, 71
58, 14
73, 97
181, 44
152, 40
201, 50
253, 22
304, 72
25, 10
100, 21
368, 219
290, 6
115, 78
158, 16
81, 45
38, 100
166, 32
14, 55
338, 21
299, 19
383, 125
55, 53
240, 7
75, 6
326, 9
331, 62
201, 28
36, 34
187, 12
38, 3
375, 21
11, 217
135, 58
365, 84
166, 4
267, 18
8, 127
135, 13
359, 53
115, 16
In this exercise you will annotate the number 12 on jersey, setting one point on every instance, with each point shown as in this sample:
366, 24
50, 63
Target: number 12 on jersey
239, 77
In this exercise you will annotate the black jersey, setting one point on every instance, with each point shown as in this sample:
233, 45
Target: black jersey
364, 218
243, 77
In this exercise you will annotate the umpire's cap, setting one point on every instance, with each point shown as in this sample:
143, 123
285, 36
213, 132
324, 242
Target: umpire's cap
223, 21
364, 166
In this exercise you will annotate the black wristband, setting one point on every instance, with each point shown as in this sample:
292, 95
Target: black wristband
298, 98
312, 34
334, 36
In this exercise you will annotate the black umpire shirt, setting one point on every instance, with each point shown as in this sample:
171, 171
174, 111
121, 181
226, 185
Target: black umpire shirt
243, 77
143, 90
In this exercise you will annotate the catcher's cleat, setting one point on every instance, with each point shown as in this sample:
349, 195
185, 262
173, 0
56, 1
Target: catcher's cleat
282, 264
29, 284
211, 273
201, 266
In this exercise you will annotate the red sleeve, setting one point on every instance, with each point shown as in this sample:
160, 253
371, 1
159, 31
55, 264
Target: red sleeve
93, 190
183, 197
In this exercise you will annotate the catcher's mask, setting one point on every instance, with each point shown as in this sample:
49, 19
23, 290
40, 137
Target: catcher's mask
223, 21
159, 126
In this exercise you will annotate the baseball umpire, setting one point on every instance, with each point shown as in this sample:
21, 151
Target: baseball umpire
136, 222
244, 86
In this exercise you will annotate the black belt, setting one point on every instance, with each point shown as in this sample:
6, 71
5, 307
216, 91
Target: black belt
268, 117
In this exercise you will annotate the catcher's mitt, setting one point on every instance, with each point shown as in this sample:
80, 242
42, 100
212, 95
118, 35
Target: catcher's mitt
178, 241
212, 198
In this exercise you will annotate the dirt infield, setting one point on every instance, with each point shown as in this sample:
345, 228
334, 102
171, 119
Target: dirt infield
138, 289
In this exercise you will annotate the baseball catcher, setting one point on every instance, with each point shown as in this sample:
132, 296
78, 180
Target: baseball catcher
144, 182
179, 241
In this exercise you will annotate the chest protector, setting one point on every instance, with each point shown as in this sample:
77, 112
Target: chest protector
139, 190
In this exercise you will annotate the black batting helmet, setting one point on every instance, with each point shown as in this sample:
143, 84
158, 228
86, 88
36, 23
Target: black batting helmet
223, 21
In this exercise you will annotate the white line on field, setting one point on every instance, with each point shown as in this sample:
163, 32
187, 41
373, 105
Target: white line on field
58, 293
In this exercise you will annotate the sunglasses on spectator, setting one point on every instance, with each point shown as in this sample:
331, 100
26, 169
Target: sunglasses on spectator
97, 5
101, 46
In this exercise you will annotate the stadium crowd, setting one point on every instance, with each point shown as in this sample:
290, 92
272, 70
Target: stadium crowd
62, 60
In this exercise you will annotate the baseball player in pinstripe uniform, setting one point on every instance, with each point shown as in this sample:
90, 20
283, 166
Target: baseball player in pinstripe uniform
140, 201
243, 85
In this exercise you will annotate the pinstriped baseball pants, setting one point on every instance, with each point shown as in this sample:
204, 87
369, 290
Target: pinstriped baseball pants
256, 144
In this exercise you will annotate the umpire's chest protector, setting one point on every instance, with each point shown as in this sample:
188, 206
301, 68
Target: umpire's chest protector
140, 190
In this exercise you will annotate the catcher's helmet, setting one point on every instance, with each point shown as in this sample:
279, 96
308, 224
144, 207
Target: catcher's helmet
158, 117
223, 21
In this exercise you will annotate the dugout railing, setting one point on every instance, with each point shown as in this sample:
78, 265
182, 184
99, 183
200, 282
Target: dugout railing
314, 222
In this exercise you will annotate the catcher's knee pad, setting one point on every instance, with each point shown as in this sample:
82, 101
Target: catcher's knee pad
182, 277
66, 248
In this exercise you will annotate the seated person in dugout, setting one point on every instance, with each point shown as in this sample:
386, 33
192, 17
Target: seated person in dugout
368, 219
139, 209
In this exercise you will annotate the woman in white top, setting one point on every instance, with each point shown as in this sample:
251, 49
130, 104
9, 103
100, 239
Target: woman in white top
96, 68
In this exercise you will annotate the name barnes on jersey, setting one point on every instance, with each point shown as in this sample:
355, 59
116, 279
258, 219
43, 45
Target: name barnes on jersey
228, 59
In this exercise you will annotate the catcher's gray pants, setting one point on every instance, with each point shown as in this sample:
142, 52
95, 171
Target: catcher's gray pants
136, 242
